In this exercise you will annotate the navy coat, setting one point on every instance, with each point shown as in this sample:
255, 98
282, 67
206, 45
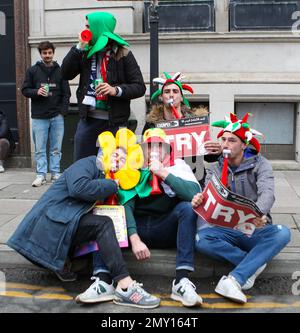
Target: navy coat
45, 234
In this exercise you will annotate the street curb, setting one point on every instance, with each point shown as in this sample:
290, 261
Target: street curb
162, 263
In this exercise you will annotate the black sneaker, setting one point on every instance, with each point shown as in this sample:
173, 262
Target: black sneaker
66, 276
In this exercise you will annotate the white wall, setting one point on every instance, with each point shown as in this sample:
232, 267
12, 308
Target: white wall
67, 18
222, 67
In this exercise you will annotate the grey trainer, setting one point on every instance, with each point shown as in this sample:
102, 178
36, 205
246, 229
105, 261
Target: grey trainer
136, 296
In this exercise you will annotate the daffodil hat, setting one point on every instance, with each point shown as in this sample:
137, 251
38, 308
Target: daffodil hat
129, 174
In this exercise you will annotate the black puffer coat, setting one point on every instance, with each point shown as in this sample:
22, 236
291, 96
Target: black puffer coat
122, 71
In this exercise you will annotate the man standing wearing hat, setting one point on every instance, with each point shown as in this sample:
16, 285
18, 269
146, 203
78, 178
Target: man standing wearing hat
250, 175
109, 78
159, 214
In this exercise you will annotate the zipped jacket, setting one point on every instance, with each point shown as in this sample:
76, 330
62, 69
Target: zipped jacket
252, 179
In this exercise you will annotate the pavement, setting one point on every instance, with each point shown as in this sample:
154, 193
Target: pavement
17, 196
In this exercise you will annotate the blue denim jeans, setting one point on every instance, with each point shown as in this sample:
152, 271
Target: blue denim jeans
176, 229
246, 253
42, 130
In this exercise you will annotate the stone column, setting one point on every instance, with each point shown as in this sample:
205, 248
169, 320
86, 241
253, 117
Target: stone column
22, 55
222, 15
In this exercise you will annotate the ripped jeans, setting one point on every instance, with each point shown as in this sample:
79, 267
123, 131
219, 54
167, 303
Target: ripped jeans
42, 130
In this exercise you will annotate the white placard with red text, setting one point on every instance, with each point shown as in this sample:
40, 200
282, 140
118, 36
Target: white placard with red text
187, 135
224, 208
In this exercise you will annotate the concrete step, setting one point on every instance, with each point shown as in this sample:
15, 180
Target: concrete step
162, 263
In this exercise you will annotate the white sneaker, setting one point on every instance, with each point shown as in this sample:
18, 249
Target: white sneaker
99, 291
39, 181
250, 282
54, 177
230, 288
1, 168
185, 292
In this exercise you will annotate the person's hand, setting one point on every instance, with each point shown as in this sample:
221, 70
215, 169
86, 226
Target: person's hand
82, 44
105, 89
260, 222
197, 200
156, 167
213, 147
42, 92
139, 249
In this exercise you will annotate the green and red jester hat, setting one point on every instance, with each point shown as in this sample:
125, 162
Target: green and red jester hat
240, 128
176, 79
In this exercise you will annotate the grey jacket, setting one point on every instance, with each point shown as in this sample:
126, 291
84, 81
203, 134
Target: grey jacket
253, 179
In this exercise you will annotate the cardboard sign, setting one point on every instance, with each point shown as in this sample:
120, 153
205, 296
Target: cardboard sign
117, 214
186, 135
227, 209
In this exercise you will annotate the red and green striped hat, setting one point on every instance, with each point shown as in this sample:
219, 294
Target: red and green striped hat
240, 128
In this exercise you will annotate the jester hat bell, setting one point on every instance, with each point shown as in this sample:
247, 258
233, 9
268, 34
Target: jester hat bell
240, 128
176, 79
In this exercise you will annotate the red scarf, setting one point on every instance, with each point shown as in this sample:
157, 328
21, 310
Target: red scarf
103, 72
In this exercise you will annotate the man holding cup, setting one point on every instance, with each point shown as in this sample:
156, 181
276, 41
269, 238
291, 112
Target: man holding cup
50, 96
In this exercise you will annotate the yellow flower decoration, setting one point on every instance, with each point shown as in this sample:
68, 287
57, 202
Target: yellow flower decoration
128, 175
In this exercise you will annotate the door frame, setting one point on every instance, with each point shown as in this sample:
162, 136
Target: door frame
22, 59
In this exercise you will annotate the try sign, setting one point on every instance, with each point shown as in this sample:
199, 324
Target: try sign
187, 135
227, 209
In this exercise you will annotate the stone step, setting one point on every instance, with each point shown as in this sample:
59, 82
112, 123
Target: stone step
162, 263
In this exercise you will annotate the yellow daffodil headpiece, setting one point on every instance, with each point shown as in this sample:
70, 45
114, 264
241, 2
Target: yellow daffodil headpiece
128, 175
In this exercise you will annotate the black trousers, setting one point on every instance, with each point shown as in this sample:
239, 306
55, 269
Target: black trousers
101, 229
87, 133
4, 149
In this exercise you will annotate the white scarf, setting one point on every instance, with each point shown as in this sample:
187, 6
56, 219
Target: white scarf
182, 170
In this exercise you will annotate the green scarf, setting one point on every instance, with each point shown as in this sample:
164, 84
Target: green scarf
142, 189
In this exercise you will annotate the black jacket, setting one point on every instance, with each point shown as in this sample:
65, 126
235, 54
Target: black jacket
58, 100
122, 71
5, 132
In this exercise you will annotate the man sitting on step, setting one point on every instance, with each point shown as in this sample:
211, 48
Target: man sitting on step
250, 175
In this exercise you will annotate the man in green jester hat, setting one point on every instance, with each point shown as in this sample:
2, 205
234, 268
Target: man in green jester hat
247, 246
171, 93
109, 78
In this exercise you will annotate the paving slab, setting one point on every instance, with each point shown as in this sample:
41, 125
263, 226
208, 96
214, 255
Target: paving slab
8, 229
4, 218
23, 191
4, 184
297, 221
9, 206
